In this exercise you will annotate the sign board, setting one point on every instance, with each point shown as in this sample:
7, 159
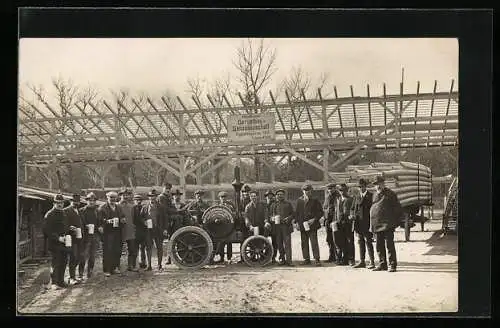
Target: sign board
250, 127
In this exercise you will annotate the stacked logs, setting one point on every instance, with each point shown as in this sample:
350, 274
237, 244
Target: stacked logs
410, 181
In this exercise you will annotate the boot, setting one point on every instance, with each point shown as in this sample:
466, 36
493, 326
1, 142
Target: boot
361, 264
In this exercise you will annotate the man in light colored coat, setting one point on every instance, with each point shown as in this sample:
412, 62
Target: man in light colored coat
128, 231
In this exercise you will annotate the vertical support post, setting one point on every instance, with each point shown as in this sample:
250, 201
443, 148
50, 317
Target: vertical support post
397, 121
182, 135
182, 171
213, 181
326, 155
25, 173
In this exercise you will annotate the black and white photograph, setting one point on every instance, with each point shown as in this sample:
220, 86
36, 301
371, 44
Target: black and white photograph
237, 175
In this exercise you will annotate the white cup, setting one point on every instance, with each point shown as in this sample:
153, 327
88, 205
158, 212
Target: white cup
67, 240
115, 222
149, 224
306, 226
78, 233
90, 228
333, 226
255, 231
277, 219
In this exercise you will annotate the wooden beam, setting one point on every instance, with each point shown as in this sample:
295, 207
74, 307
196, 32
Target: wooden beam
302, 157
163, 119
216, 166
369, 108
190, 117
179, 119
138, 124
205, 160
218, 113
153, 125
206, 121
324, 118
448, 104
309, 113
432, 103
340, 117
293, 114
354, 112
416, 107
287, 136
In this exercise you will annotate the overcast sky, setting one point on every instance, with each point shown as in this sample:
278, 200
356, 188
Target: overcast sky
154, 65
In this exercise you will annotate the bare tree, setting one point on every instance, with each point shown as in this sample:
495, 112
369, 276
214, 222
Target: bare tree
256, 64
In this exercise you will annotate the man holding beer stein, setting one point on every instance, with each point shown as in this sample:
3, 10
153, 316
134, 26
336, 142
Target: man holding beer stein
282, 215
309, 211
75, 225
156, 224
269, 225
255, 214
55, 229
111, 221
128, 231
141, 232
90, 237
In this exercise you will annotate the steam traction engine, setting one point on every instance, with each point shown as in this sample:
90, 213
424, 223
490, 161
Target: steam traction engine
191, 247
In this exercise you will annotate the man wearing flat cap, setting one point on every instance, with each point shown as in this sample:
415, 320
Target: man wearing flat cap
111, 222
197, 207
270, 201
282, 215
385, 215
76, 255
308, 213
128, 231
329, 213
55, 229
343, 235
361, 212
90, 235
141, 232
154, 211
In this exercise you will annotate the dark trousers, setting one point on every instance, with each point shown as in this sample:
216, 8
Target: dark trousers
343, 239
112, 250
145, 247
90, 248
228, 250
132, 248
386, 239
284, 242
157, 238
365, 241
332, 252
76, 257
59, 260
305, 238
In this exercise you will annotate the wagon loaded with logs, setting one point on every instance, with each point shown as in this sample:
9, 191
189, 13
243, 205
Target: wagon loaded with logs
412, 183
192, 247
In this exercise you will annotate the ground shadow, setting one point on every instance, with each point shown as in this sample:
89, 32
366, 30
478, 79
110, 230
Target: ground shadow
442, 244
427, 267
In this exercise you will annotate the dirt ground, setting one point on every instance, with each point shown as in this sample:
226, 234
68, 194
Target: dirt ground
426, 281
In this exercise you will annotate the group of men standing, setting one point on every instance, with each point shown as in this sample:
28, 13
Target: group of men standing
74, 232
367, 214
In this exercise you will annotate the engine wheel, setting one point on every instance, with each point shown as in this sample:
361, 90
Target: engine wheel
257, 251
190, 248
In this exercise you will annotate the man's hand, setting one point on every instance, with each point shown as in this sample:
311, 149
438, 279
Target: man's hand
267, 225
100, 229
61, 239
123, 220
165, 233
322, 221
72, 228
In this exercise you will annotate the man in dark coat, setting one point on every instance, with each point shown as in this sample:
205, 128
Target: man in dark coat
342, 226
270, 200
55, 229
155, 212
283, 228
141, 232
76, 255
224, 247
90, 236
385, 215
361, 212
329, 214
198, 207
308, 213
111, 222
255, 215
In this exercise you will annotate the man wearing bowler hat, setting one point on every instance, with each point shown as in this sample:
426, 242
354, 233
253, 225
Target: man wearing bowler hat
329, 214
385, 215
361, 212
111, 222
90, 236
343, 235
309, 211
55, 229
75, 224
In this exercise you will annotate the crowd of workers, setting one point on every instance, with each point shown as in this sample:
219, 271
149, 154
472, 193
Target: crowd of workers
74, 232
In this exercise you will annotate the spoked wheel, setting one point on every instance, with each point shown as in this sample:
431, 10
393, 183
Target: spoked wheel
257, 251
190, 248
